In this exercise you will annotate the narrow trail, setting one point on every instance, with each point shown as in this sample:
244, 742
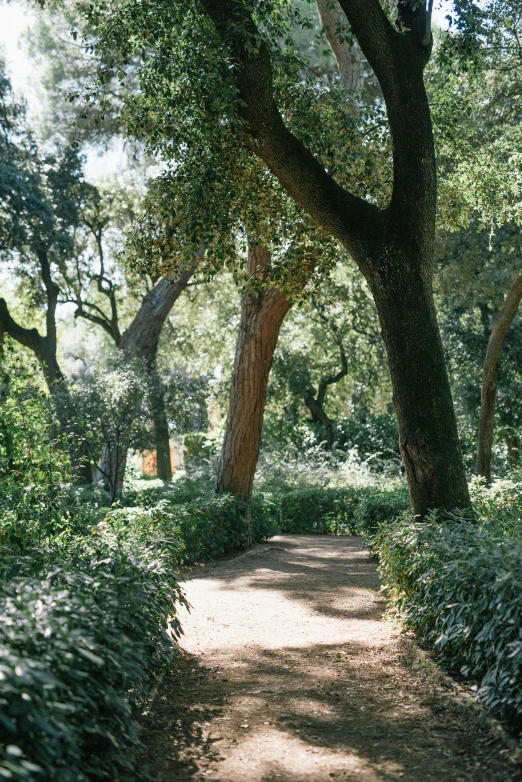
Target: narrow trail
287, 672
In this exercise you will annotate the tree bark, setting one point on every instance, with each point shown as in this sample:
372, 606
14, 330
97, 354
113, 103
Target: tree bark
428, 436
140, 340
513, 449
320, 415
488, 395
160, 422
261, 317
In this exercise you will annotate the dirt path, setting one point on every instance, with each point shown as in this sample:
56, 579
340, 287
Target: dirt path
288, 673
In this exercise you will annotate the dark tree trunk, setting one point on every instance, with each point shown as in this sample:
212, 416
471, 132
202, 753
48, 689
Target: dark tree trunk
488, 397
428, 436
261, 318
320, 415
161, 424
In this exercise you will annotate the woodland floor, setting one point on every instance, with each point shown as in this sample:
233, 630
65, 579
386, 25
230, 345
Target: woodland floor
287, 672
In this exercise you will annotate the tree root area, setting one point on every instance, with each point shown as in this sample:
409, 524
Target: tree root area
288, 672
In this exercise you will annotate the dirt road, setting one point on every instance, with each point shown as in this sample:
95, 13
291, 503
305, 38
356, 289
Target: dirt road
288, 673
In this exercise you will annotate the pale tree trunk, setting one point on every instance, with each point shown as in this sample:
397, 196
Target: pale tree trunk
140, 340
333, 20
488, 395
261, 317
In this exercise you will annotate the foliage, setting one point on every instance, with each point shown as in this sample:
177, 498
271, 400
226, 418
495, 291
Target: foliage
319, 511
378, 506
459, 586
84, 628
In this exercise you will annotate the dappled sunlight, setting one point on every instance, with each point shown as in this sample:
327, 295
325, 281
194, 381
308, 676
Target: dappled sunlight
290, 674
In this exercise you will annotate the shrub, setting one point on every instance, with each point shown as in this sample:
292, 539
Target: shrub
79, 644
378, 506
204, 528
458, 585
319, 511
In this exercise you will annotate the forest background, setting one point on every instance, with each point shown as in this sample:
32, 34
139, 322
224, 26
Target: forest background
162, 292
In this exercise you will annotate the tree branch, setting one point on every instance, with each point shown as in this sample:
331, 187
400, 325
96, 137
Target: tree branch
354, 221
30, 338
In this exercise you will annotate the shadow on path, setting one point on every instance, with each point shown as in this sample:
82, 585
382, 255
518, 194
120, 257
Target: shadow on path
287, 672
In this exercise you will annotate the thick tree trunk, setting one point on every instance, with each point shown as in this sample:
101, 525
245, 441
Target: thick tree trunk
393, 247
421, 393
261, 318
499, 331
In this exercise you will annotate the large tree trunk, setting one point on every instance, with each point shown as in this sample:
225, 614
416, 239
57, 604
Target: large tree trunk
489, 377
393, 247
428, 436
261, 318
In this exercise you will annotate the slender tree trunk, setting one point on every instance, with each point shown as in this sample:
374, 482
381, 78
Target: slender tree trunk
513, 449
488, 397
141, 340
261, 318
428, 435
161, 424
347, 58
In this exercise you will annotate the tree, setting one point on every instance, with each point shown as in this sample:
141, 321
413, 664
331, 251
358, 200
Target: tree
262, 313
489, 386
392, 245
41, 201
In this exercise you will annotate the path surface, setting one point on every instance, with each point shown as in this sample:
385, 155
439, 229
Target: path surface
288, 673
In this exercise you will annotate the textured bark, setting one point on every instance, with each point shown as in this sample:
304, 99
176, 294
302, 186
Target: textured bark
421, 394
261, 318
393, 247
488, 396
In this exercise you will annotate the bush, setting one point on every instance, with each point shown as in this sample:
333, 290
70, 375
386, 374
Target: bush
458, 585
378, 506
319, 511
204, 528
80, 640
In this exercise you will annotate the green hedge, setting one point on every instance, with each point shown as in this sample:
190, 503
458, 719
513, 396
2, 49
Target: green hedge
80, 641
319, 511
377, 506
458, 585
